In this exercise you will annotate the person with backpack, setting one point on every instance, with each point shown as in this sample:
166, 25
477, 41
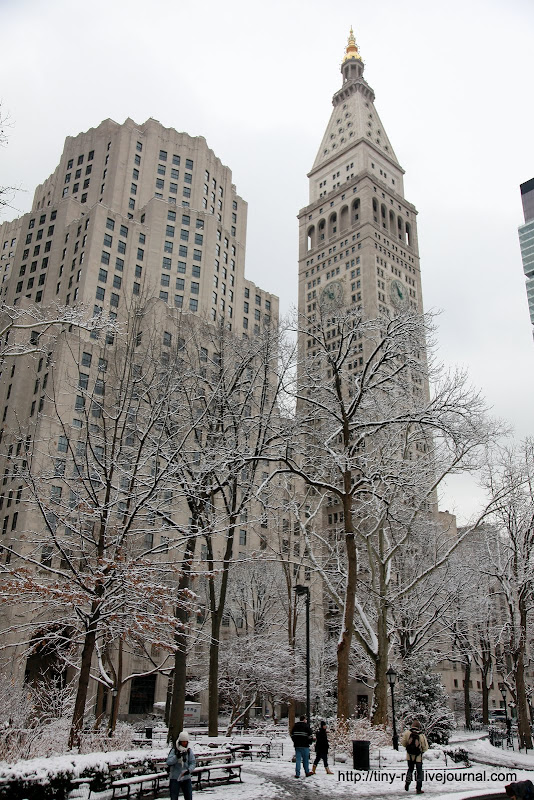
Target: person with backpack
414, 740
181, 761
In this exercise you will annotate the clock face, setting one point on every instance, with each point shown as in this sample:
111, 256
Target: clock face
333, 293
398, 294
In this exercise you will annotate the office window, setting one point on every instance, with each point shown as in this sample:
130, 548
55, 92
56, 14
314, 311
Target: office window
62, 444
160, 184
187, 191
171, 215
117, 281
173, 188
197, 255
133, 188
188, 178
100, 293
105, 257
163, 155
184, 235
136, 288
176, 160
164, 296
194, 287
140, 254
195, 271
178, 300
188, 163
119, 264
182, 251
180, 284
182, 267
167, 339
114, 301
193, 304
166, 264
165, 279
168, 247
169, 230
102, 275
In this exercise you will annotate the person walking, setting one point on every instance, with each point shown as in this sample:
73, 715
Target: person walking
302, 736
321, 749
181, 760
415, 742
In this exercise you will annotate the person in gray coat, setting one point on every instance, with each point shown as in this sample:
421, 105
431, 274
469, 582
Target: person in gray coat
181, 760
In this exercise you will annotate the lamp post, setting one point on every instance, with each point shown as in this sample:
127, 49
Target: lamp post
392, 677
502, 689
114, 693
305, 590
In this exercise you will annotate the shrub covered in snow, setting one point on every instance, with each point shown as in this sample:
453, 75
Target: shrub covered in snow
422, 696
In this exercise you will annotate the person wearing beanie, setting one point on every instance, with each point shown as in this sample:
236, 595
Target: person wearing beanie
415, 742
182, 762
321, 749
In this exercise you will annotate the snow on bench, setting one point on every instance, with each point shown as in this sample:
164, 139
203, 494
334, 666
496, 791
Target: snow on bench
138, 780
233, 770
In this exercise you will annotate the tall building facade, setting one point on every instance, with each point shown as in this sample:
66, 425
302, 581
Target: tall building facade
132, 215
526, 242
358, 235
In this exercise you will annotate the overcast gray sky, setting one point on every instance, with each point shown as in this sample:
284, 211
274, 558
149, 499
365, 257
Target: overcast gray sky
454, 86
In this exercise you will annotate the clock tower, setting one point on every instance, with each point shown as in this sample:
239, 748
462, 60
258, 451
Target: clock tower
358, 235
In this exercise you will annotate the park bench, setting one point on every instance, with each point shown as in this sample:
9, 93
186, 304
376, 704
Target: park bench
214, 773
246, 750
139, 784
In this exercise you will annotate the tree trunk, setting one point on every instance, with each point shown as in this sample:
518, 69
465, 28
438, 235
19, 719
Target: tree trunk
216, 612
176, 714
118, 688
291, 715
467, 696
523, 726
99, 706
83, 683
380, 701
213, 675
345, 637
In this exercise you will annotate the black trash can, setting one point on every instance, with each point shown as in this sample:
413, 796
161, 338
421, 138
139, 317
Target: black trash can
360, 754
148, 733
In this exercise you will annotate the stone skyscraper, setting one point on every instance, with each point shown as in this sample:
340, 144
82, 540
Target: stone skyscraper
134, 216
358, 235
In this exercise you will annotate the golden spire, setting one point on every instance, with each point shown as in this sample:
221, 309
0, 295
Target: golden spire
351, 51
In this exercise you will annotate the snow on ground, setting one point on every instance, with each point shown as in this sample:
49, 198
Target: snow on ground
273, 779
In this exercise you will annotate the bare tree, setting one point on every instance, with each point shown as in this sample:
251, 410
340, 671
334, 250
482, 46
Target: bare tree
368, 436
226, 418
509, 563
33, 330
88, 557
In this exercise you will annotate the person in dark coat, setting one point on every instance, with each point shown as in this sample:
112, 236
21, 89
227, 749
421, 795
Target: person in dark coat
302, 736
321, 749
